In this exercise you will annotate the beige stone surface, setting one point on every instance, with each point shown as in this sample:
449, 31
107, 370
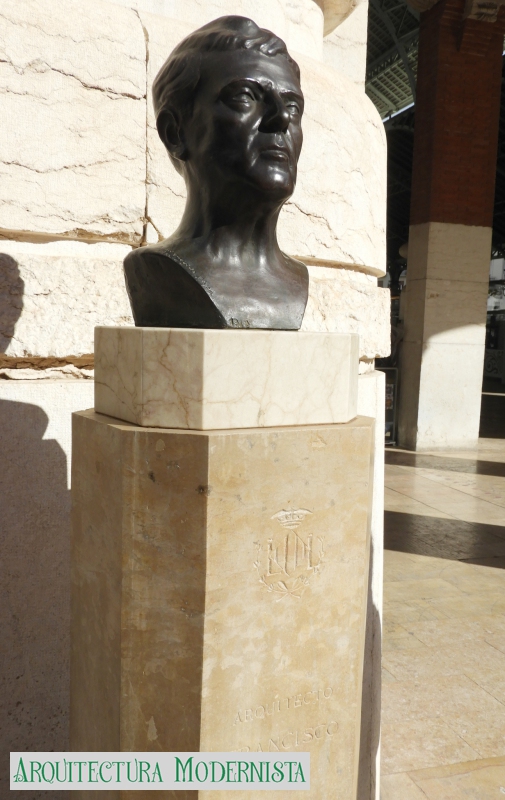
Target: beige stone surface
52, 296
345, 48
72, 85
206, 379
200, 563
336, 12
67, 372
299, 22
346, 301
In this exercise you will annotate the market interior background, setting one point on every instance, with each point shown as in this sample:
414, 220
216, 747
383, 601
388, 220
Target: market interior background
443, 720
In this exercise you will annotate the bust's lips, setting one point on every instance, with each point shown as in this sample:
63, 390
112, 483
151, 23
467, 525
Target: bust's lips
275, 153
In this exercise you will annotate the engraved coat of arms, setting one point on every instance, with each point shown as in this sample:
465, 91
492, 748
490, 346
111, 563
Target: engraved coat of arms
290, 559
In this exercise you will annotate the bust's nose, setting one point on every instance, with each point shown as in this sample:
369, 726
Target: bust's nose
276, 116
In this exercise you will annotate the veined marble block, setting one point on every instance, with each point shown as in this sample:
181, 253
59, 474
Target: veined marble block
219, 585
213, 379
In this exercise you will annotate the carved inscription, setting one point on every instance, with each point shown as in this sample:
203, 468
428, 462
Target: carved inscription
280, 705
289, 560
291, 739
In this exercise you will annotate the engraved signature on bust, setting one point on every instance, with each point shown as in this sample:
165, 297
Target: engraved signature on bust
288, 562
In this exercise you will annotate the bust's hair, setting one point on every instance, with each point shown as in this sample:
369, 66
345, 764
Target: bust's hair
175, 85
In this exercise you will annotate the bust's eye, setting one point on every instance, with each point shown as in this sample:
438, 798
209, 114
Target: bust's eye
244, 96
294, 109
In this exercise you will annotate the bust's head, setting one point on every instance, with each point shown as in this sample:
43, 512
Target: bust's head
228, 107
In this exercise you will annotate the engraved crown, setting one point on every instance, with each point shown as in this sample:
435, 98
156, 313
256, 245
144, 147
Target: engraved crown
291, 518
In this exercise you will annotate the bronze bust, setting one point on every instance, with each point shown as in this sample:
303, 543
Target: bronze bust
228, 106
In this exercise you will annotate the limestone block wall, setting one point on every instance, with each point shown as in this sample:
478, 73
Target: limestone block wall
73, 87
83, 179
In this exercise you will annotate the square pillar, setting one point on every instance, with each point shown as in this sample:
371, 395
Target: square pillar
453, 176
442, 354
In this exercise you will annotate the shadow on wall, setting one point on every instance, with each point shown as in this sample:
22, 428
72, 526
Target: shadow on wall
11, 299
34, 569
35, 585
492, 417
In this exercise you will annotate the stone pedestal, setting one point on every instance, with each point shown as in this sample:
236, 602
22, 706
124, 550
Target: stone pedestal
219, 588
208, 379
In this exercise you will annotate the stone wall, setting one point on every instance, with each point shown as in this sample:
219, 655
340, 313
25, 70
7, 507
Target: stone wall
83, 179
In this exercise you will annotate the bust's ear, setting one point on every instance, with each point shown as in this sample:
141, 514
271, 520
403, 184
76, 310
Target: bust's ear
171, 134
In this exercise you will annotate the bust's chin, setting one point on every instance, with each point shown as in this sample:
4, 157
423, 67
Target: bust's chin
275, 180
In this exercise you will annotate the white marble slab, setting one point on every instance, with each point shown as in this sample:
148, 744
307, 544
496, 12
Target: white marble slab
215, 379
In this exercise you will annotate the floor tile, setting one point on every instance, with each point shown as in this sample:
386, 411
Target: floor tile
400, 787
387, 677
397, 501
420, 743
492, 682
444, 631
485, 734
443, 688
409, 612
492, 603
396, 641
421, 699
444, 498
477, 780
484, 487
399, 566
422, 589
480, 658
392, 628
470, 580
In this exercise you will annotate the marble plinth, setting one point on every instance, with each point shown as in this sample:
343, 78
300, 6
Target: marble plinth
215, 379
219, 585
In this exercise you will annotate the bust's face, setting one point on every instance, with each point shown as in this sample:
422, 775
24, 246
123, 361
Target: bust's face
246, 123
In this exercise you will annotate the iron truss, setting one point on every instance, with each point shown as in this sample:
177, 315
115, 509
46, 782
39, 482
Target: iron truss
393, 36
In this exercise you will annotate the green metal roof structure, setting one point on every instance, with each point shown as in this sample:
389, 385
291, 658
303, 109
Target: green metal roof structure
393, 39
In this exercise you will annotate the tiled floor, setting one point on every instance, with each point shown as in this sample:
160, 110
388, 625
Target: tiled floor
443, 735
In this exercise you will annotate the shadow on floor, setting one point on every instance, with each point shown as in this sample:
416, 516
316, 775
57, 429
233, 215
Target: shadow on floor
402, 458
453, 539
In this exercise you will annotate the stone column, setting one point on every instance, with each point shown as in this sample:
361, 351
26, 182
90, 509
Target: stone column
220, 559
456, 133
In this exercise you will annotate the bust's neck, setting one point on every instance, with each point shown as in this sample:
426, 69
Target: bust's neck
230, 228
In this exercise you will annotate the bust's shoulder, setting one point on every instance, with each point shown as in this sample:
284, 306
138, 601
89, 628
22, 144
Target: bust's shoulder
149, 253
165, 292
296, 265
